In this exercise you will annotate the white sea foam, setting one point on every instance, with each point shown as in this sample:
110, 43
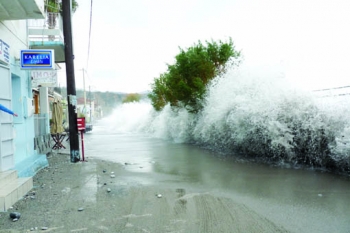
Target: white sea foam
258, 114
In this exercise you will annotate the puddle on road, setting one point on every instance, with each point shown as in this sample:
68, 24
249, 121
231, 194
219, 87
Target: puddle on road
89, 188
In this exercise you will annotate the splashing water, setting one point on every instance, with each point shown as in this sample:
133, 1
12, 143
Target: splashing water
254, 116
266, 118
128, 117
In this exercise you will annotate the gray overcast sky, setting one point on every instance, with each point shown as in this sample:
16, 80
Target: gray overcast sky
131, 41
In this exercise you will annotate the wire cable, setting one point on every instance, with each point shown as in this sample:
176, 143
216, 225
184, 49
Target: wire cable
88, 55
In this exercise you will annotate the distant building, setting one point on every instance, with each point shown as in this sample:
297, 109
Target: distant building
86, 108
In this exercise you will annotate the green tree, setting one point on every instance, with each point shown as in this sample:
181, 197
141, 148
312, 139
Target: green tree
55, 6
184, 84
134, 97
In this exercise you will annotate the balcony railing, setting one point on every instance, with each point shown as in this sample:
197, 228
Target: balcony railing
48, 34
48, 29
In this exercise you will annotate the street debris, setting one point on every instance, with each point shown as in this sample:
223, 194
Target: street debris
15, 215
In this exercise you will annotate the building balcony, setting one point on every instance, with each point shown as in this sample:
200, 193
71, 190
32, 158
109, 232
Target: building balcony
47, 34
21, 9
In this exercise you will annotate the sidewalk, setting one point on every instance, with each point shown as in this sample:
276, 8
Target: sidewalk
68, 197
71, 197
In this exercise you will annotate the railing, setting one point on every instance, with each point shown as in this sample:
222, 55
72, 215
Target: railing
52, 21
47, 38
332, 92
41, 125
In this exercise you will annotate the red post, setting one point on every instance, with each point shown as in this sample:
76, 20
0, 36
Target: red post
82, 144
81, 128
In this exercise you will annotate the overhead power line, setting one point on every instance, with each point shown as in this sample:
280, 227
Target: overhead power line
88, 55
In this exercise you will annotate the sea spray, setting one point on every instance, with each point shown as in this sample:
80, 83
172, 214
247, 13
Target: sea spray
256, 116
140, 117
174, 124
129, 117
265, 118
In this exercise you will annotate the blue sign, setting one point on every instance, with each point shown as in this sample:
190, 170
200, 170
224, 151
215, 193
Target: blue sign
38, 59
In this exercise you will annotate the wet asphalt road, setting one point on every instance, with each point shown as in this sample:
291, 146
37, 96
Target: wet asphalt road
298, 200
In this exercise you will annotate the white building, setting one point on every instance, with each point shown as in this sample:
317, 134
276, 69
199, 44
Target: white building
24, 25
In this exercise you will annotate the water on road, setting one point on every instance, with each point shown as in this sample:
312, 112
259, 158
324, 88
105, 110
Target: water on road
299, 200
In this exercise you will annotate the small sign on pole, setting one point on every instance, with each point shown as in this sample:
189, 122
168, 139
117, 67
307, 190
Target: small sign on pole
44, 78
81, 123
81, 128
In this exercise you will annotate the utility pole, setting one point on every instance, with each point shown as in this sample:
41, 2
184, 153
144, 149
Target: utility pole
71, 91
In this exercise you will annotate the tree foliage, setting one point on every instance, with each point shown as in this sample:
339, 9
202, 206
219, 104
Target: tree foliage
133, 97
184, 84
55, 6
